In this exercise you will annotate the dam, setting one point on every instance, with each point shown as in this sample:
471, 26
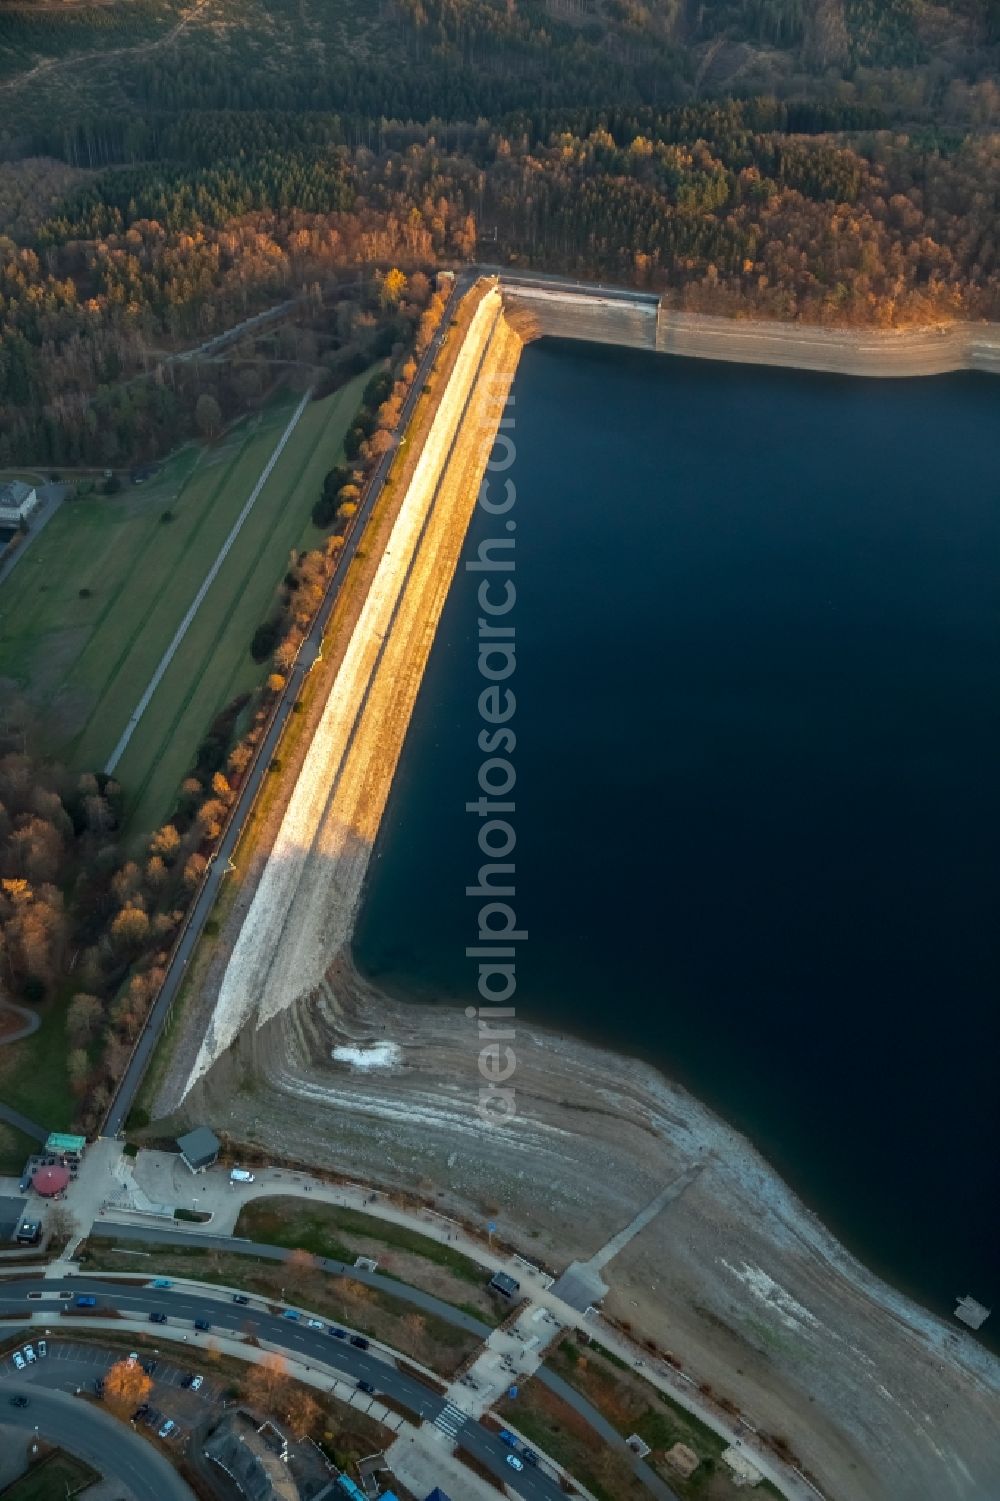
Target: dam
681, 948
637, 320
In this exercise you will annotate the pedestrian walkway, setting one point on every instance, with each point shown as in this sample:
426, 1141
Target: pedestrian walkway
224, 1203
581, 1285
450, 1420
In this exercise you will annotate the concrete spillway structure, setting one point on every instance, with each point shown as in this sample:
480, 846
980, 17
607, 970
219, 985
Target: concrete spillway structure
644, 321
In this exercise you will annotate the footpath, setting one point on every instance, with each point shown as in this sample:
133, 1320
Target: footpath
157, 1176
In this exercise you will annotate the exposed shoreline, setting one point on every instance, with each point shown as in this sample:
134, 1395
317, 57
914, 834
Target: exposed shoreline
642, 321
880, 1398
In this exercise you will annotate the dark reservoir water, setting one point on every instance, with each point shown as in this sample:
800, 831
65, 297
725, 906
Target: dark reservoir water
758, 798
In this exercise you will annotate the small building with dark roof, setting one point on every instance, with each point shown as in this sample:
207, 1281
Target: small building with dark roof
502, 1283
240, 1448
199, 1148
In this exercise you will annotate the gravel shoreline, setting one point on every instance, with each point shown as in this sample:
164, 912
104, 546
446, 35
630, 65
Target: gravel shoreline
879, 1399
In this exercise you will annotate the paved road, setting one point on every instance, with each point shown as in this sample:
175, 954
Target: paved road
139, 1062
184, 1305
51, 497
92, 1435
22, 1123
425, 1301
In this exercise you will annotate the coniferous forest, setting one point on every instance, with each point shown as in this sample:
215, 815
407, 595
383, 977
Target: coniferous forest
836, 163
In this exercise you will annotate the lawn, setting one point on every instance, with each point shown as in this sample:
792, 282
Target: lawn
87, 615
57, 1476
15, 1149
553, 1426
632, 1405
33, 1072
327, 1230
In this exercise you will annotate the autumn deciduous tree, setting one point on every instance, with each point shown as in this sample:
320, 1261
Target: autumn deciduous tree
166, 842
83, 1016
392, 288
208, 416
130, 929
126, 1385
267, 1383
302, 1412
300, 1265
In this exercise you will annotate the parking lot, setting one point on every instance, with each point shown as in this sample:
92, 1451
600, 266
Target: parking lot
78, 1368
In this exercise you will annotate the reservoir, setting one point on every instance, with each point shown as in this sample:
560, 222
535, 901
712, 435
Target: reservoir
757, 801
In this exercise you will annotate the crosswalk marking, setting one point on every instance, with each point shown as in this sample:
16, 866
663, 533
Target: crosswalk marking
450, 1419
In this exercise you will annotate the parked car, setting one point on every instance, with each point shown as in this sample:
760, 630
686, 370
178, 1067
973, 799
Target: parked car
19, 1402
133, 1356
240, 1175
86, 1300
19, 1361
43, 1348
29, 1354
162, 1282
529, 1456
197, 1382
506, 1437
240, 1298
314, 1323
157, 1318
202, 1324
149, 1366
291, 1313
140, 1412
167, 1429
99, 1387
514, 1462
366, 1386
360, 1341
337, 1333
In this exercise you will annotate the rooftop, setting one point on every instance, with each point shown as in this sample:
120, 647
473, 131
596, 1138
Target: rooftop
199, 1146
14, 492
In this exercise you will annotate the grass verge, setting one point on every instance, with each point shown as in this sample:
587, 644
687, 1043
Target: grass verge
632, 1405
33, 1076
425, 1338
57, 1475
15, 1149
329, 1230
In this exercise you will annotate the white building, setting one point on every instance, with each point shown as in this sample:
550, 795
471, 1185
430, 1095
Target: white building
17, 501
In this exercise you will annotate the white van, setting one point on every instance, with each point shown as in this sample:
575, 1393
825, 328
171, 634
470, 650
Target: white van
240, 1175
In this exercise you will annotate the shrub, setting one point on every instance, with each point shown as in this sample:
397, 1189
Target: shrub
265, 639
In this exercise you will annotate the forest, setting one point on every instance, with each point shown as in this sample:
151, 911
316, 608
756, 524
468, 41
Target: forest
167, 170
720, 206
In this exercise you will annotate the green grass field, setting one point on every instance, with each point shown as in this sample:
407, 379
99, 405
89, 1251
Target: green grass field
86, 657
58, 1475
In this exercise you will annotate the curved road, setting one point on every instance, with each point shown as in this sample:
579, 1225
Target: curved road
183, 1305
84, 1430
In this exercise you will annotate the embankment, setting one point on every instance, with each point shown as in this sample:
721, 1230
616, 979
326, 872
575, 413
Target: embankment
303, 909
746, 1289
642, 321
